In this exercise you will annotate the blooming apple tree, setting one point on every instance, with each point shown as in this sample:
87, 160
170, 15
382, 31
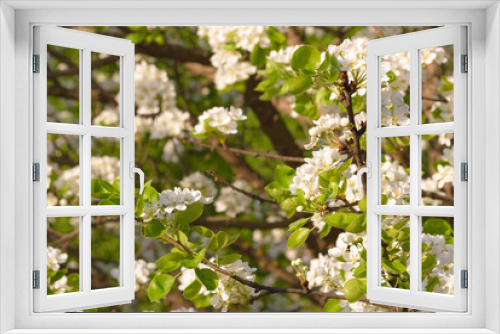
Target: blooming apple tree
251, 138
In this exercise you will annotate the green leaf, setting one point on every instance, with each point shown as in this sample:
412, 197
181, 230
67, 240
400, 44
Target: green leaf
354, 289
284, 175
139, 207
360, 271
217, 242
160, 286
362, 204
334, 68
192, 290
202, 301
325, 231
149, 194
228, 259
437, 226
172, 260
428, 263
258, 55
337, 220
136, 37
306, 59
278, 40
193, 263
300, 84
203, 231
333, 305
395, 267
154, 229
289, 205
357, 225
298, 223
208, 277
192, 212
298, 237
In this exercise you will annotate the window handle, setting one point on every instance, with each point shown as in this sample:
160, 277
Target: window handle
133, 170
368, 171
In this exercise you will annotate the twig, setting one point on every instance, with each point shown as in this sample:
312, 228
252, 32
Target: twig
242, 152
220, 180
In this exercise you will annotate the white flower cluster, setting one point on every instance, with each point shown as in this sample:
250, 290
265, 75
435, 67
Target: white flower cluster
395, 112
446, 108
55, 257
395, 183
108, 117
172, 151
232, 202
283, 56
142, 270
307, 175
153, 90
351, 54
170, 200
202, 183
220, 119
229, 291
170, 123
444, 270
231, 65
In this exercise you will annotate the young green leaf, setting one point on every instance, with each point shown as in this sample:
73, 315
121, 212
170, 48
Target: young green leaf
203, 231
208, 277
153, 229
193, 263
228, 259
192, 290
354, 289
334, 68
217, 242
300, 84
333, 305
192, 212
298, 237
284, 175
160, 286
306, 59
362, 204
357, 225
297, 224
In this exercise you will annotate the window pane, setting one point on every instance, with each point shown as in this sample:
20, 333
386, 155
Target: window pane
437, 169
63, 85
63, 255
437, 255
63, 170
395, 170
395, 245
437, 84
105, 171
105, 106
395, 92
105, 252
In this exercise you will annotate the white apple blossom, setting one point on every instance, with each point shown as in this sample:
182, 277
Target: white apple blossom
202, 183
171, 123
232, 202
178, 199
221, 119
55, 257
142, 270
108, 117
172, 151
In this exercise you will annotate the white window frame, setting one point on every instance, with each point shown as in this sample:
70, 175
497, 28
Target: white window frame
413, 44
483, 20
85, 43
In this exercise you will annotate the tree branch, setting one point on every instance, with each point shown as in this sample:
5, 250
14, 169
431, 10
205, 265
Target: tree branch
242, 152
220, 180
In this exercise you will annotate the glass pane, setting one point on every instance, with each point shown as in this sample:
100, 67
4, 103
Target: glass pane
105, 252
63, 85
105, 108
437, 84
395, 245
63, 255
63, 170
437, 169
105, 171
395, 170
437, 255
395, 90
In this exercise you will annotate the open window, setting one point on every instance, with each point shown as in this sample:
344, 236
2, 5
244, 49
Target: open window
85, 202
403, 279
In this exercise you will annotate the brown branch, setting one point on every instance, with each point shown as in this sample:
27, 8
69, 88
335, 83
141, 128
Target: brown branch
220, 180
349, 88
219, 222
271, 123
242, 152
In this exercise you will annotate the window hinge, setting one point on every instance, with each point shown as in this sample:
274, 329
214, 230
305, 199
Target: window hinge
465, 64
465, 279
464, 171
36, 63
36, 279
36, 172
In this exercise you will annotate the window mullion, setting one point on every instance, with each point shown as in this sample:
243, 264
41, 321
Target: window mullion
414, 169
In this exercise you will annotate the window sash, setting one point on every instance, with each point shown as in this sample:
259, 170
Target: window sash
86, 43
414, 42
